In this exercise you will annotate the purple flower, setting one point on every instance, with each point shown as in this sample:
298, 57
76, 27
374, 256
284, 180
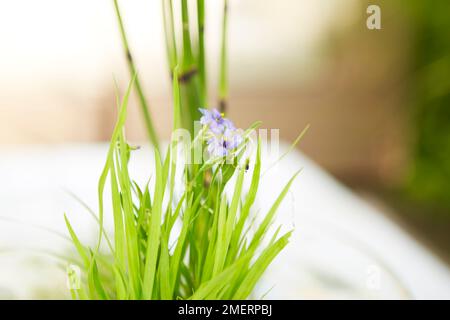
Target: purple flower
222, 136
215, 121
231, 138
216, 147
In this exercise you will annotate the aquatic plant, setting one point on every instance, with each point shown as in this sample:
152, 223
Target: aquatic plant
185, 235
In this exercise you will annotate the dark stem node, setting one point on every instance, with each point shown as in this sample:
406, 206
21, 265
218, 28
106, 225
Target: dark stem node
187, 75
222, 105
129, 57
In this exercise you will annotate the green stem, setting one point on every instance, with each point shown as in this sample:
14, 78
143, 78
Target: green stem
201, 50
188, 77
188, 60
223, 75
132, 68
169, 34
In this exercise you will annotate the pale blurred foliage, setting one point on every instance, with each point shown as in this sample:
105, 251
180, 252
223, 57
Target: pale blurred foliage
59, 59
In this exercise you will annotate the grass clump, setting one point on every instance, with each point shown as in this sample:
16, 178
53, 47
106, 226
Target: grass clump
218, 251
185, 235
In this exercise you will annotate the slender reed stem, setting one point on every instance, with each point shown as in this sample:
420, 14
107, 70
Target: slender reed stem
188, 77
188, 59
169, 33
132, 68
223, 74
201, 50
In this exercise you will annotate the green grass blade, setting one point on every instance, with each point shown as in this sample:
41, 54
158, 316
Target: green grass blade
228, 228
132, 242
269, 217
117, 129
258, 268
164, 267
77, 243
217, 282
154, 232
245, 211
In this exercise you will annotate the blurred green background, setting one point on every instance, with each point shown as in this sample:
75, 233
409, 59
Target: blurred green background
429, 179
418, 188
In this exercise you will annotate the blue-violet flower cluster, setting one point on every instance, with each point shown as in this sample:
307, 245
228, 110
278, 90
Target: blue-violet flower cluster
222, 137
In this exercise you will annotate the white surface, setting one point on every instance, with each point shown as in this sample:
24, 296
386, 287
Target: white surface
341, 248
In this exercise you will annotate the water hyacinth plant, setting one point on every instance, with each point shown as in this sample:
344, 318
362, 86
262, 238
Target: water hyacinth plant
190, 233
